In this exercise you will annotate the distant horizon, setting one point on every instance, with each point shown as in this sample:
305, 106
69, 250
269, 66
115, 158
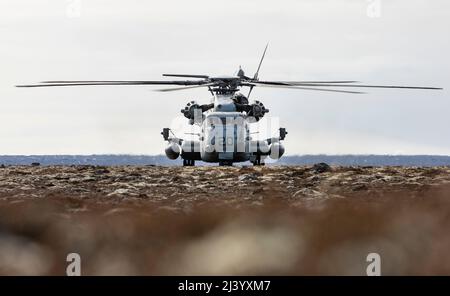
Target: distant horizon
288, 155
161, 160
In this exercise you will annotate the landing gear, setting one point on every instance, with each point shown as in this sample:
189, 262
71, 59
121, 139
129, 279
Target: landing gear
188, 162
258, 161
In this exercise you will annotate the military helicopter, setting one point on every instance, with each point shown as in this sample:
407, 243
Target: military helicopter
225, 121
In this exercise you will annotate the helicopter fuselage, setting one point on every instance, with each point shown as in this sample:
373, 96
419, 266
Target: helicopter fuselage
225, 134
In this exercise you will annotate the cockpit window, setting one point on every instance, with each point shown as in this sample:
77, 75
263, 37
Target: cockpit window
214, 121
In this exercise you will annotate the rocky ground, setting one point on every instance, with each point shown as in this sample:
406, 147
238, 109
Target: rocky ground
224, 220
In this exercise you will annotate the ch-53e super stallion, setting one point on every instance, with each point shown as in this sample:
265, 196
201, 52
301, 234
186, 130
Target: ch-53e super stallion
225, 121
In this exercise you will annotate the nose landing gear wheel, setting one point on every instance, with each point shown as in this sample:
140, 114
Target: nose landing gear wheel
188, 162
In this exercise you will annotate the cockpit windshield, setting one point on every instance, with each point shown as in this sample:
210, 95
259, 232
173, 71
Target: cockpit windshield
215, 121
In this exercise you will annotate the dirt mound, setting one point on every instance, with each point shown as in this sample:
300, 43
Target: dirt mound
214, 220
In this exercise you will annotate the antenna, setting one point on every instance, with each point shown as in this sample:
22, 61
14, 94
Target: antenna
255, 77
260, 62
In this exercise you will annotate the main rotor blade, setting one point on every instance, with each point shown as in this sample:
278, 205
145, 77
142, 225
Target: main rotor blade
365, 86
301, 82
92, 83
312, 82
184, 88
186, 75
306, 88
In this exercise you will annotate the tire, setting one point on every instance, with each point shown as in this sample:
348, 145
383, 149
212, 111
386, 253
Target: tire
258, 162
188, 162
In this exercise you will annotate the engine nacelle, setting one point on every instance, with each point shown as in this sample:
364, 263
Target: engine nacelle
173, 151
259, 148
276, 150
258, 110
191, 110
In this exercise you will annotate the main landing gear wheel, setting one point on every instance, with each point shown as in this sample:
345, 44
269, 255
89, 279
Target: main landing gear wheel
258, 161
188, 162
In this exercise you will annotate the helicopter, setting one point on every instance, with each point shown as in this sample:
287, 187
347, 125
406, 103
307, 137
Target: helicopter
225, 121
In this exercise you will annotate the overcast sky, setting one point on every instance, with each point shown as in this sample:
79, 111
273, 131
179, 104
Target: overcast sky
405, 42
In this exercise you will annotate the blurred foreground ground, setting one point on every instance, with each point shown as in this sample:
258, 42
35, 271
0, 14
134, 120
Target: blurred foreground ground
233, 221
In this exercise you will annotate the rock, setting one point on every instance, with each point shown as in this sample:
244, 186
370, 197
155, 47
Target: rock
23, 256
321, 168
35, 164
360, 187
247, 177
88, 179
308, 192
258, 191
297, 173
102, 171
119, 191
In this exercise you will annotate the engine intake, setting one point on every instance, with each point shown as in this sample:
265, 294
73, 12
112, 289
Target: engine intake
173, 151
258, 110
191, 109
276, 150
